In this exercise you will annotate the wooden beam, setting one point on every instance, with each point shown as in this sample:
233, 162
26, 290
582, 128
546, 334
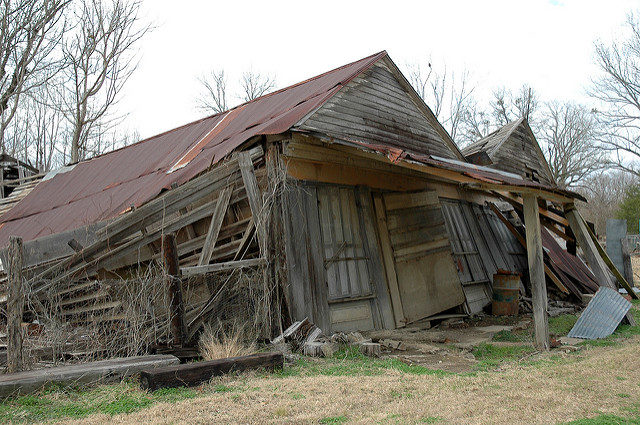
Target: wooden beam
85, 373
555, 279
536, 272
218, 267
594, 255
15, 306
255, 198
388, 261
214, 227
246, 239
517, 201
174, 286
191, 374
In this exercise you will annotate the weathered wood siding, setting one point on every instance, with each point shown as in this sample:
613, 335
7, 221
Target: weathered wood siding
336, 275
518, 154
375, 108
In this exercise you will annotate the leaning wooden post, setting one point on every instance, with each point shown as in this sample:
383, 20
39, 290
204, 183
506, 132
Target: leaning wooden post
15, 306
172, 272
536, 271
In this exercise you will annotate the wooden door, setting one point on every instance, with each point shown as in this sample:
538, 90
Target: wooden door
349, 258
422, 277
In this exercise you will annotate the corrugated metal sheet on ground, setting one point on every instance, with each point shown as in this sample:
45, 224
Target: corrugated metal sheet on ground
602, 316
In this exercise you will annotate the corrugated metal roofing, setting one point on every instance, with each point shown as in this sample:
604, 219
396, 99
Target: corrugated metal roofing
105, 186
602, 316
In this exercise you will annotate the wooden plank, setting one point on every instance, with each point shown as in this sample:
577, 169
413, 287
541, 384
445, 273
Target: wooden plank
371, 250
218, 267
112, 370
577, 222
196, 373
555, 279
536, 272
388, 261
246, 240
174, 287
15, 305
214, 227
254, 196
394, 201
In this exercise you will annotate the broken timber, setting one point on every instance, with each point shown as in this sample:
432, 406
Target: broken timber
192, 374
229, 265
85, 373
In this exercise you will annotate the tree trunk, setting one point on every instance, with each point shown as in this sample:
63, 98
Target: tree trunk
15, 306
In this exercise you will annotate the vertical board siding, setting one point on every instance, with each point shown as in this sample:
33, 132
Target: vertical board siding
375, 108
335, 266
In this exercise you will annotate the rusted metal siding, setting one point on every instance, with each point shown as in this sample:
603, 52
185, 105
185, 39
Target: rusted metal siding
375, 108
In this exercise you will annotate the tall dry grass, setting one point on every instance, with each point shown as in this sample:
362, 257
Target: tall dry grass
216, 342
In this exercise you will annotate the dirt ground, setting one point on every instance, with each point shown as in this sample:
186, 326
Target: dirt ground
593, 381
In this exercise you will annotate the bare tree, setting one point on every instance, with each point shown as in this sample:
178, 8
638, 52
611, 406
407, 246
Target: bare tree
448, 94
508, 106
214, 98
255, 84
101, 58
568, 133
618, 89
29, 36
604, 190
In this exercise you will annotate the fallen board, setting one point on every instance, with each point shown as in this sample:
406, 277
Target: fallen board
191, 374
602, 316
85, 373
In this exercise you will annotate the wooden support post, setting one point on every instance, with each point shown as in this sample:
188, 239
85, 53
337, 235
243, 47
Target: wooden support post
626, 261
172, 271
536, 271
15, 306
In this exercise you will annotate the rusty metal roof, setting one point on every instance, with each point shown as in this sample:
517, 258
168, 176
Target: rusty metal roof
108, 185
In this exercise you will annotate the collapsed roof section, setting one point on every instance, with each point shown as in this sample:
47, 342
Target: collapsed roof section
512, 148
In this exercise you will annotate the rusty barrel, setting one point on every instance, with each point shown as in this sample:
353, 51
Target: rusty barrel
506, 294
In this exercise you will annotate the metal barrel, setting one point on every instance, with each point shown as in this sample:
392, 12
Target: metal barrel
506, 294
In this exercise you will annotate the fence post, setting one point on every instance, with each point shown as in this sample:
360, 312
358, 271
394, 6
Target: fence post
15, 306
174, 286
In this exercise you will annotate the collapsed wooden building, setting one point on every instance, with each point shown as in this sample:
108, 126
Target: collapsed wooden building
343, 193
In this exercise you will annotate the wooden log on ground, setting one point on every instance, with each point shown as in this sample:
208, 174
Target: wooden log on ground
192, 374
172, 272
85, 373
15, 306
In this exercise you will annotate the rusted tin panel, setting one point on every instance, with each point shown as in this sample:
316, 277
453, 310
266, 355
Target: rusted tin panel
602, 316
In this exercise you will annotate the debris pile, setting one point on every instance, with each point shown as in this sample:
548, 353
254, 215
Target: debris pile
306, 338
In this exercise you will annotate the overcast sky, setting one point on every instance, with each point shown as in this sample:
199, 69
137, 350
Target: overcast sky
545, 43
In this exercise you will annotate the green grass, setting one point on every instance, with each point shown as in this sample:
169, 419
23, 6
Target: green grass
511, 336
561, 325
57, 403
490, 356
333, 420
350, 362
606, 420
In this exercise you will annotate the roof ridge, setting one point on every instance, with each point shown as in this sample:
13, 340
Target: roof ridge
370, 57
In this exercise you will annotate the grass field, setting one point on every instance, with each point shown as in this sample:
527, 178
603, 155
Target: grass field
599, 384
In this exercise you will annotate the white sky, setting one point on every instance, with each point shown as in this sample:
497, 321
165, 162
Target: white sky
546, 44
